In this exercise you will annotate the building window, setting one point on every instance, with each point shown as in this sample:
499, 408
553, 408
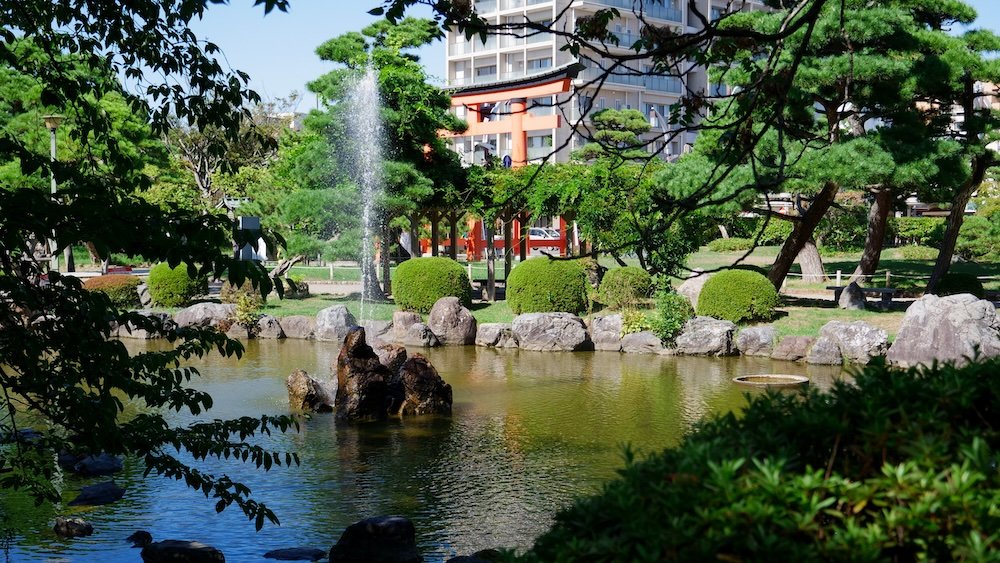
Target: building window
601, 103
618, 105
717, 89
538, 64
716, 13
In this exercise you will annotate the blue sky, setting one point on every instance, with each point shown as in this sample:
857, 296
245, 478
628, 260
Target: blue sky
279, 50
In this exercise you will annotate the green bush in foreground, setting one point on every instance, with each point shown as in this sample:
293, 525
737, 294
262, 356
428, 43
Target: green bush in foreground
120, 289
897, 466
418, 283
542, 285
954, 283
740, 296
625, 287
173, 287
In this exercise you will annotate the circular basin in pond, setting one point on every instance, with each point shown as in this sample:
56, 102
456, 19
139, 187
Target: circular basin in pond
772, 380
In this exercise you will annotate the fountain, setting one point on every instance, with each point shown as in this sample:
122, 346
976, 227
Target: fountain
365, 128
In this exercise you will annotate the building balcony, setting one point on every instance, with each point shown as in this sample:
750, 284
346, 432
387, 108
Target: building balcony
655, 82
486, 6
665, 10
490, 78
516, 4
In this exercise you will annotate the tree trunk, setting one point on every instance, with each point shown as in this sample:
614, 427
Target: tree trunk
453, 236
508, 245
282, 267
568, 233
955, 218
811, 263
414, 237
491, 267
878, 218
522, 239
801, 233
435, 217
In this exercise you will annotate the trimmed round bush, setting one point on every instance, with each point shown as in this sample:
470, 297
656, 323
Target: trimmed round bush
954, 283
732, 244
418, 283
543, 285
740, 296
120, 289
625, 287
173, 287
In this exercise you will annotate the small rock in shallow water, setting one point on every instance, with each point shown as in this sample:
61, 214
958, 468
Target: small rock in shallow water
101, 493
72, 527
296, 554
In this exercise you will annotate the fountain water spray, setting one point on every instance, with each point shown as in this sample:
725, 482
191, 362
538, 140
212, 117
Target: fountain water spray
365, 128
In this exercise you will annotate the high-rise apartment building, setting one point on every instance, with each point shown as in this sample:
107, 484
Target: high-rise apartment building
522, 93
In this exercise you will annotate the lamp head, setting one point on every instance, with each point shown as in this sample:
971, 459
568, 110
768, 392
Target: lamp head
52, 121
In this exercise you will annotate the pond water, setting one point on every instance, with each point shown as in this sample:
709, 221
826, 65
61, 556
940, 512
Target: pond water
530, 432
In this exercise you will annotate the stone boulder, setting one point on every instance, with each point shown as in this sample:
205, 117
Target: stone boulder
756, 340
99, 494
452, 323
481, 556
131, 330
792, 348
644, 342
606, 332
389, 355
423, 390
691, 288
270, 328
705, 336
145, 299
551, 332
362, 381
825, 351
72, 527
296, 554
419, 334
946, 329
495, 335
204, 314
299, 326
377, 329
333, 323
90, 465
858, 342
383, 539
306, 393
401, 323
172, 551
852, 298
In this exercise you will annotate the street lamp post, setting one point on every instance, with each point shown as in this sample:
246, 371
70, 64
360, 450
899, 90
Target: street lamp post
52, 123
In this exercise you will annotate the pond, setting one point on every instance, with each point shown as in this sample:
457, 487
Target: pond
530, 432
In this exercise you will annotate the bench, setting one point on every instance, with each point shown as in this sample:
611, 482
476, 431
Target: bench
885, 293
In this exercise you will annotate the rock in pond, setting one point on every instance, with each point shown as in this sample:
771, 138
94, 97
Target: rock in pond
424, 392
204, 314
825, 351
72, 527
858, 341
390, 355
268, 327
606, 332
174, 551
452, 323
756, 340
495, 335
296, 554
946, 329
99, 494
419, 334
551, 332
382, 539
792, 348
299, 326
401, 322
643, 342
333, 323
362, 381
131, 330
306, 393
90, 465
705, 336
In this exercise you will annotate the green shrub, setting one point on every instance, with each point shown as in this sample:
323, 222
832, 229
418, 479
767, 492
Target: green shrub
120, 289
734, 244
776, 232
979, 239
542, 285
173, 287
844, 228
232, 294
625, 287
634, 320
916, 252
894, 465
673, 310
954, 283
418, 283
740, 296
922, 231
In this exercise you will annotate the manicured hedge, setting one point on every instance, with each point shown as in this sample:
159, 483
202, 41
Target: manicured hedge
730, 244
543, 285
740, 296
418, 283
173, 287
625, 287
954, 283
120, 288
894, 465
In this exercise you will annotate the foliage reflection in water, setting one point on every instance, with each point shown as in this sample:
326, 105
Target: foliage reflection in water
530, 432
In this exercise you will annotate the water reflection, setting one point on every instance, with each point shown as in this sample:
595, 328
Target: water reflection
530, 431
